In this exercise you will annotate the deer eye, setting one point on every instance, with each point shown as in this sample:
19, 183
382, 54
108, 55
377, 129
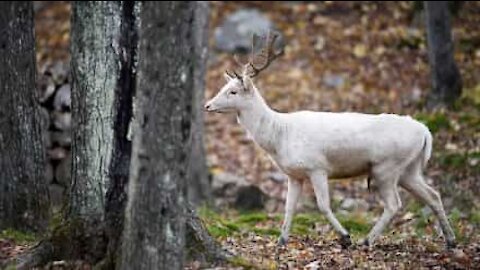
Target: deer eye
233, 92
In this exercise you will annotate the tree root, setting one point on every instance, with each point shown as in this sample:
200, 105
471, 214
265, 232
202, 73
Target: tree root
40, 254
86, 240
200, 242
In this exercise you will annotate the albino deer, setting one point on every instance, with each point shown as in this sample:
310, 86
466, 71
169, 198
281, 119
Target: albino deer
392, 150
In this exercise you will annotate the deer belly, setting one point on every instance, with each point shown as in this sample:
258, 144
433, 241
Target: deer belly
349, 168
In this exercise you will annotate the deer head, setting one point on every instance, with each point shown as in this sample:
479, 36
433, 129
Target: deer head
239, 91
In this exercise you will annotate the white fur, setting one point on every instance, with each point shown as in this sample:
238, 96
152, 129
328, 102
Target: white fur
391, 149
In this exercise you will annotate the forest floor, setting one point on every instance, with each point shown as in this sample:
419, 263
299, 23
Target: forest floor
367, 57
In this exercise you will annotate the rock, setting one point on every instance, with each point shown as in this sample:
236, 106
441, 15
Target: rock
62, 120
235, 191
63, 172
235, 34
59, 71
45, 123
250, 198
57, 196
224, 181
45, 88
354, 204
61, 138
62, 101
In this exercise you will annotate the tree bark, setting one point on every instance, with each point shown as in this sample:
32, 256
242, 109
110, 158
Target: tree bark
103, 47
24, 200
199, 187
445, 76
104, 41
154, 236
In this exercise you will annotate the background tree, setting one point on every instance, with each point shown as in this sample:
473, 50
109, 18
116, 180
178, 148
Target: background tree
199, 188
445, 76
24, 201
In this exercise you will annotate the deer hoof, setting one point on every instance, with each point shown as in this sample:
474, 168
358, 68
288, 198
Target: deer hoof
345, 241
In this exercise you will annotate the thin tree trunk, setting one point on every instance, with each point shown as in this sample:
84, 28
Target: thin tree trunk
445, 77
103, 46
199, 188
154, 235
24, 200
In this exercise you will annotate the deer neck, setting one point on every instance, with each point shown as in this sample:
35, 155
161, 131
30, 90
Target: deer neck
262, 123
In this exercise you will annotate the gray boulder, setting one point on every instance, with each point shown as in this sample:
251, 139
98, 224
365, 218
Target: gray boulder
235, 34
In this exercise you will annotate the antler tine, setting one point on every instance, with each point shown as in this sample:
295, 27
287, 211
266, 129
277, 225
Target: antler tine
235, 74
252, 52
268, 53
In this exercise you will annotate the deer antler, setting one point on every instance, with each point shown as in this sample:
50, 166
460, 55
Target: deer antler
268, 54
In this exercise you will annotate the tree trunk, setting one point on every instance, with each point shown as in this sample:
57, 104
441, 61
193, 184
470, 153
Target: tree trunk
199, 188
24, 200
445, 77
103, 45
154, 236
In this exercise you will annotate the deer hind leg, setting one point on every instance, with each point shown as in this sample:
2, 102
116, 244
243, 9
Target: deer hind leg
414, 183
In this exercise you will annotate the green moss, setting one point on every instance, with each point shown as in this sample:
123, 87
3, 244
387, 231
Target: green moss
241, 262
434, 121
415, 207
455, 218
355, 224
219, 231
475, 218
304, 223
470, 120
299, 229
206, 213
454, 160
306, 219
18, 236
250, 218
267, 231
422, 222
231, 226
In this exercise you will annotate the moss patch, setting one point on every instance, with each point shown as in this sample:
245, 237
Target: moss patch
251, 218
434, 121
18, 236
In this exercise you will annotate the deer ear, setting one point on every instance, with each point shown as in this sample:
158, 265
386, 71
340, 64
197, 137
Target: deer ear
227, 77
247, 83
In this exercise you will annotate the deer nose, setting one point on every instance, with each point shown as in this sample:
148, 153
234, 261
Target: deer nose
207, 107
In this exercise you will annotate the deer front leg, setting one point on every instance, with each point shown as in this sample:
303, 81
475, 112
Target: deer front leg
293, 193
320, 187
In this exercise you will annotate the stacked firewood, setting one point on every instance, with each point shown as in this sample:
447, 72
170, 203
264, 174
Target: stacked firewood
54, 90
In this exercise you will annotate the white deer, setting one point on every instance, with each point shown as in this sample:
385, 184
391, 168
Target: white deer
392, 150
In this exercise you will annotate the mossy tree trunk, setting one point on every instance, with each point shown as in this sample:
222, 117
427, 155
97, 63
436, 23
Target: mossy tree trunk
24, 200
445, 76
